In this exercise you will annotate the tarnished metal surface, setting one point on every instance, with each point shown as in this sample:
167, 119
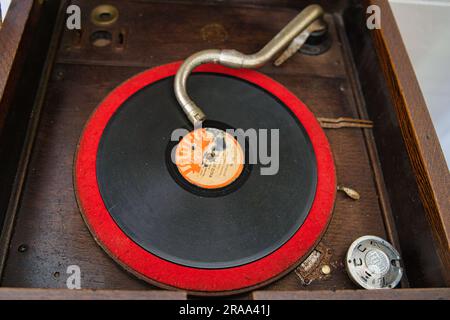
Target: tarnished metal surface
373, 263
236, 59
317, 265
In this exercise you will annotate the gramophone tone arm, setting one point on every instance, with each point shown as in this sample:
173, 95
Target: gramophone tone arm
235, 59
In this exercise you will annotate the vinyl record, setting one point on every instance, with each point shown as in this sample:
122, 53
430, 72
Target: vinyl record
176, 232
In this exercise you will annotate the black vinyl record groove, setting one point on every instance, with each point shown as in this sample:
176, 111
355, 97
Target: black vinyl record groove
184, 227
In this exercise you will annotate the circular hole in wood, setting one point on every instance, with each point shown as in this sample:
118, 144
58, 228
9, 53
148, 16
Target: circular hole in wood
104, 15
101, 38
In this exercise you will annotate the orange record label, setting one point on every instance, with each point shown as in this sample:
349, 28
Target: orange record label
209, 158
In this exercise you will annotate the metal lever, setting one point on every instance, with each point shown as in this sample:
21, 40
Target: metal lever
299, 41
235, 59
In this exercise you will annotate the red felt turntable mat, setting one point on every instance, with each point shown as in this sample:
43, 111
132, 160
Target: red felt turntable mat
148, 242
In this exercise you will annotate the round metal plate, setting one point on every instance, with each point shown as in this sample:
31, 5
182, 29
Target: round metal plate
373, 263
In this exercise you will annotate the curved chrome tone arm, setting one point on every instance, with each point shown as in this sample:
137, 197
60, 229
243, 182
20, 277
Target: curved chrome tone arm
235, 59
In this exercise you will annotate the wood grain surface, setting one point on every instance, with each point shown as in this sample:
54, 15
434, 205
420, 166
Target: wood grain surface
415, 235
422, 143
48, 221
10, 39
66, 294
402, 294
13, 40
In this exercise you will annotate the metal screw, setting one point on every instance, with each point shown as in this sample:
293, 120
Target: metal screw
60, 75
326, 270
22, 248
